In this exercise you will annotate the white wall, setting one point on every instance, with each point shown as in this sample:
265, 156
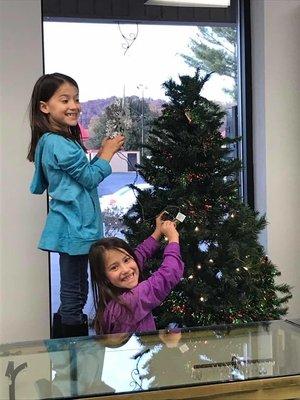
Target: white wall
276, 106
24, 297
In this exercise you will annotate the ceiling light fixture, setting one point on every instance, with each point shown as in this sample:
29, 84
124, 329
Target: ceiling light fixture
189, 3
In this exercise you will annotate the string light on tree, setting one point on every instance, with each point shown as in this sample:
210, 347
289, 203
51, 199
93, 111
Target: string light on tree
219, 275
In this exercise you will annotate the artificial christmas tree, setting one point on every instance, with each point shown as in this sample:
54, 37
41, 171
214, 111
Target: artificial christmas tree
228, 278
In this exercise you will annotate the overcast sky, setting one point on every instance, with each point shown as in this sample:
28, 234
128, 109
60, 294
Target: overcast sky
93, 54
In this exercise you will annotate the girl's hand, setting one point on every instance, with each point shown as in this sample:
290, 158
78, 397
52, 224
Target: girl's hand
111, 146
168, 228
158, 223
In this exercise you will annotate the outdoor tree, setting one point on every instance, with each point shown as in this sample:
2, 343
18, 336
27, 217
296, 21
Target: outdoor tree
131, 115
228, 278
214, 50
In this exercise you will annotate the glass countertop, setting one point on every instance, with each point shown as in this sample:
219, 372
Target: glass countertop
122, 363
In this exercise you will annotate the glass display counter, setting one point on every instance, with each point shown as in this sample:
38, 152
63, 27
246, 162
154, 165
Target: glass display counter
252, 361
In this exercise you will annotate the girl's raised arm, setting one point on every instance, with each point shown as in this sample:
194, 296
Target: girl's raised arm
149, 247
71, 159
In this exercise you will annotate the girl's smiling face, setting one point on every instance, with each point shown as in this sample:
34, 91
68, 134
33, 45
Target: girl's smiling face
63, 108
121, 269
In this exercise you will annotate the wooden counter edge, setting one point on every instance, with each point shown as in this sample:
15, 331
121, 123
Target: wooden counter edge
281, 388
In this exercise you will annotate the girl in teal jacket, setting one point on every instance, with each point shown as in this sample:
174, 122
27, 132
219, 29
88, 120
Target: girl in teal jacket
74, 220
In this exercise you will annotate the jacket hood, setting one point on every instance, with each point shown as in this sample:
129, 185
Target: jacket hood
39, 181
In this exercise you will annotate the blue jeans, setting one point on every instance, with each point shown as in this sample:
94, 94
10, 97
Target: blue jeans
73, 287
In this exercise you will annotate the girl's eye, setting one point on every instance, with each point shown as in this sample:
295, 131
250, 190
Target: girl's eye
126, 259
113, 268
65, 101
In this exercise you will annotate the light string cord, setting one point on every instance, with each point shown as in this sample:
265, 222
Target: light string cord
130, 39
136, 373
125, 158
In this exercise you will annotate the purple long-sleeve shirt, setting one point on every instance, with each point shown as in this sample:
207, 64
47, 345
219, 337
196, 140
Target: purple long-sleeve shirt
147, 294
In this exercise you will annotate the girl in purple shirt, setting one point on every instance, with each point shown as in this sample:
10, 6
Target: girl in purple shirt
123, 302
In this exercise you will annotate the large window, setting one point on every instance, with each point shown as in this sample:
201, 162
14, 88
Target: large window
120, 68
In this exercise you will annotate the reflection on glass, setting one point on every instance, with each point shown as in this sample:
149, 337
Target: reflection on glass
120, 363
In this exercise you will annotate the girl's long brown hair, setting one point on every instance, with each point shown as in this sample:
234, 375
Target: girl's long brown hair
43, 90
103, 290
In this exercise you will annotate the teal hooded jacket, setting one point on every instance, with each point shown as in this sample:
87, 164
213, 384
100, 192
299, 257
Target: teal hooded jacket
74, 221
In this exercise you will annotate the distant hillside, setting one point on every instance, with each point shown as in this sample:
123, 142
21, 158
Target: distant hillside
93, 108
155, 105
